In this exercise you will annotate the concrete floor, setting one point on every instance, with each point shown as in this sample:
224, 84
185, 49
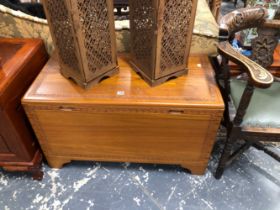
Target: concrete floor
251, 183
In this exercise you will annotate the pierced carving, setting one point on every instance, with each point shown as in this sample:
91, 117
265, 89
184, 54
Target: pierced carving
160, 37
142, 26
60, 20
83, 32
175, 27
94, 16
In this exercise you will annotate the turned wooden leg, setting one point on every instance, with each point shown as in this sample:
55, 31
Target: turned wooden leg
57, 162
225, 156
195, 169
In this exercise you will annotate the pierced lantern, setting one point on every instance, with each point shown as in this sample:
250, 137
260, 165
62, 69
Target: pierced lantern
161, 33
84, 35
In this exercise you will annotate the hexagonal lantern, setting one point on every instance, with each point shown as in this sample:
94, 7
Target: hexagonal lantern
84, 35
161, 33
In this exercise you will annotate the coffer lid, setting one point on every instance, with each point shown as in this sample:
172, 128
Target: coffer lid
197, 89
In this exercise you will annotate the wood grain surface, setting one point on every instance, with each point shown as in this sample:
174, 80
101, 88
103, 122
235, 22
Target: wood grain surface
123, 119
22, 60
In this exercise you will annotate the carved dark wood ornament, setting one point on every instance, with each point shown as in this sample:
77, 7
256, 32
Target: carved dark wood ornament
259, 75
241, 19
263, 47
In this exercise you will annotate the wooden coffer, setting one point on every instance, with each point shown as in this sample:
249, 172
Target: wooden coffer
84, 36
123, 119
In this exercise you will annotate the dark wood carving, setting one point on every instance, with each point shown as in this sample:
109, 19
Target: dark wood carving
227, 151
241, 19
84, 36
264, 45
258, 76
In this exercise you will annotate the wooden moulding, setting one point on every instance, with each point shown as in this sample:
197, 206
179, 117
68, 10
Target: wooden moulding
34, 166
84, 35
159, 81
161, 37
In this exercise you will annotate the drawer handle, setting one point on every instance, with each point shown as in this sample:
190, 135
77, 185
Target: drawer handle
66, 109
176, 111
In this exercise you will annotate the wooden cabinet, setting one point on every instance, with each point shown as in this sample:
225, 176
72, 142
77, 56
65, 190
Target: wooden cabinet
21, 61
123, 119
